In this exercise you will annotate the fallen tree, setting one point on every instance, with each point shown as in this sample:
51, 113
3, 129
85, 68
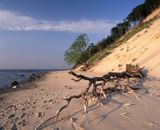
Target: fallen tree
97, 83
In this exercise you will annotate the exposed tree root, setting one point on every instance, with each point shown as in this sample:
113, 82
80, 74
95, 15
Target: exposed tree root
96, 93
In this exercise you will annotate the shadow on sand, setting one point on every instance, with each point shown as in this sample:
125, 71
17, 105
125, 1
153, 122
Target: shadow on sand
138, 86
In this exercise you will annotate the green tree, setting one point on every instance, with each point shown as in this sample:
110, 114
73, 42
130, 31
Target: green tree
141, 11
76, 54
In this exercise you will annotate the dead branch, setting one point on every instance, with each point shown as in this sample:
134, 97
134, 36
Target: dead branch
68, 100
96, 92
111, 76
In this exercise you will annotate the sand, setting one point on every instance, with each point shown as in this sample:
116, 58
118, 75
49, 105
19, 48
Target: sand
142, 49
152, 15
26, 109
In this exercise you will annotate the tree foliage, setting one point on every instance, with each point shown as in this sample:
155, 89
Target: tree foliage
139, 13
143, 10
76, 54
79, 52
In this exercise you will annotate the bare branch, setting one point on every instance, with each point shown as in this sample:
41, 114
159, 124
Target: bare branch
96, 92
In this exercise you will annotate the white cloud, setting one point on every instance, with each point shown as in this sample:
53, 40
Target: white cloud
15, 21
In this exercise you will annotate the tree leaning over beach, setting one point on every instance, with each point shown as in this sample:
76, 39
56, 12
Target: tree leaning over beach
76, 52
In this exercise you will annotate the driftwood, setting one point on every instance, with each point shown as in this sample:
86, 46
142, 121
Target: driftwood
94, 82
97, 84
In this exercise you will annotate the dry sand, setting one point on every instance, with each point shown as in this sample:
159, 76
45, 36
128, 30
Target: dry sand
142, 49
26, 109
152, 15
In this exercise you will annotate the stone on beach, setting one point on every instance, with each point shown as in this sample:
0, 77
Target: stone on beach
15, 84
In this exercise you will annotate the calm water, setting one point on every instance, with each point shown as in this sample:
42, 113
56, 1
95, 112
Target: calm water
8, 76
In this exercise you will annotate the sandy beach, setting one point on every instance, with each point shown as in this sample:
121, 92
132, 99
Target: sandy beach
79, 65
27, 109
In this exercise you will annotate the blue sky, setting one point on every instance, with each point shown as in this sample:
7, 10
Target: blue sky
35, 33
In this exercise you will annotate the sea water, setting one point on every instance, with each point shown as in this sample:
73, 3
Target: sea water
7, 76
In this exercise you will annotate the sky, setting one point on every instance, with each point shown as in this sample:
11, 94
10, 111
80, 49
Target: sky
34, 34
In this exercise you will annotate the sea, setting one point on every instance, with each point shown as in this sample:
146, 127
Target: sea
7, 76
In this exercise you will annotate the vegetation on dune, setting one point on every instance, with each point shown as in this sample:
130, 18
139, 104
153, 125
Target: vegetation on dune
142, 11
119, 34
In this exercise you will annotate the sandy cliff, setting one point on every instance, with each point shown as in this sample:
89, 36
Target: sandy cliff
142, 49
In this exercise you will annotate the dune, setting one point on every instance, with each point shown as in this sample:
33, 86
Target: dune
155, 13
142, 49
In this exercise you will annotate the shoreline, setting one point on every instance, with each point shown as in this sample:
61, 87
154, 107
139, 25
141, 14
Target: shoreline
26, 84
29, 83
